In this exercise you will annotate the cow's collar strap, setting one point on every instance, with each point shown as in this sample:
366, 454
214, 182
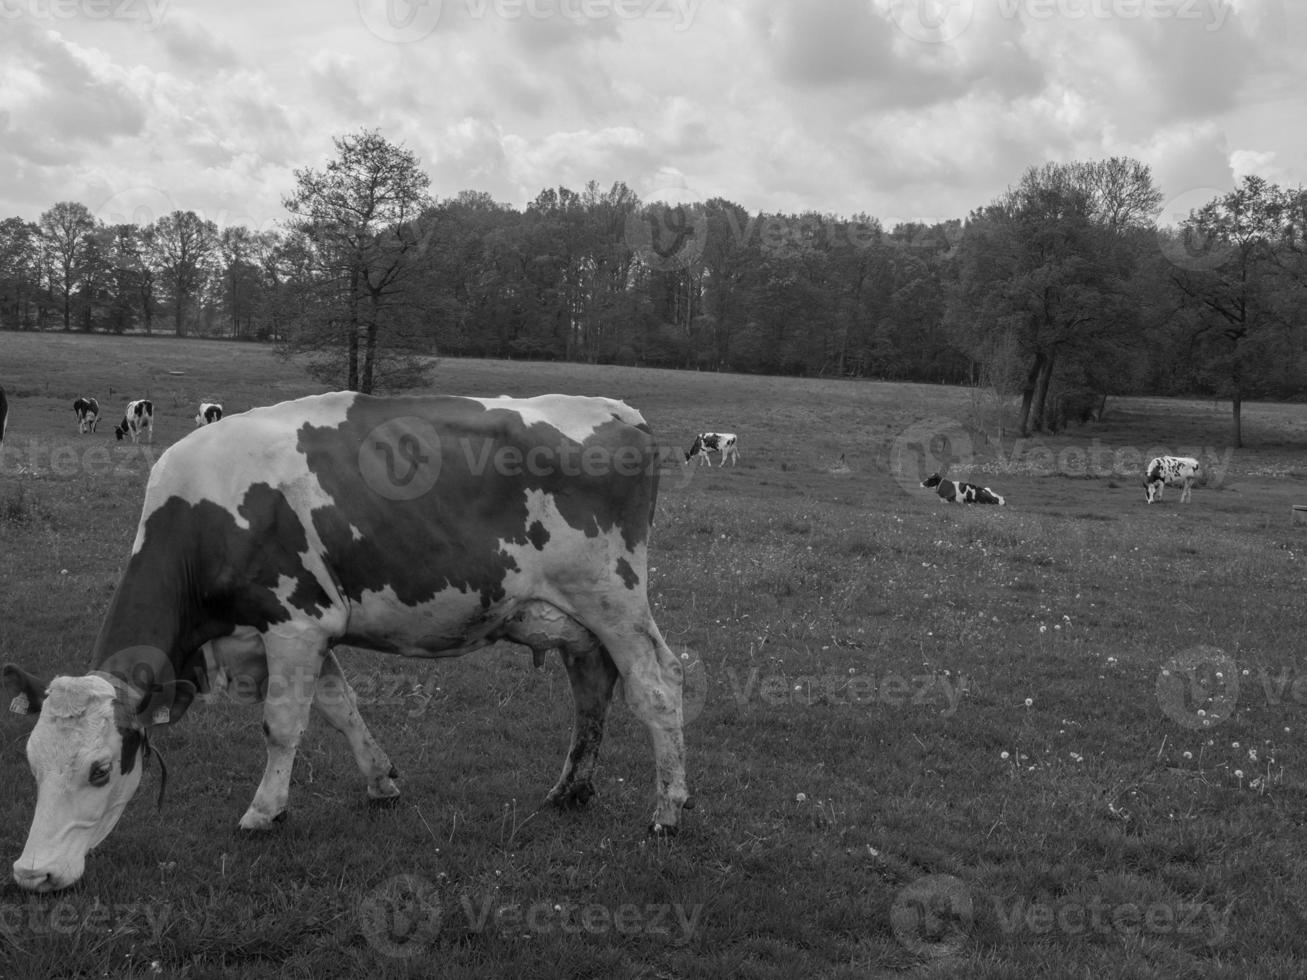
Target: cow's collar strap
136, 737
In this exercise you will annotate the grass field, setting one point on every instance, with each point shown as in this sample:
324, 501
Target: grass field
1063, 738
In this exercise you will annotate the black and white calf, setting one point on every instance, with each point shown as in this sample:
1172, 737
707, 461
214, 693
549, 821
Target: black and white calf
714, 442
138, 419
961, 493
1182, 471
209, 412
87, 411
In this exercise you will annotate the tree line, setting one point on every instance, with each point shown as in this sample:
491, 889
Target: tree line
1062, 290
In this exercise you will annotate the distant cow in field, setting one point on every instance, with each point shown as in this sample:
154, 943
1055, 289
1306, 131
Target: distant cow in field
4, 414
961, 493
1182, 471
714, 442
87, 411
209, 412
138, 419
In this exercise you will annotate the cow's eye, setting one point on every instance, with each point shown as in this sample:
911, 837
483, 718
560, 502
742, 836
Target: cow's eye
100, 772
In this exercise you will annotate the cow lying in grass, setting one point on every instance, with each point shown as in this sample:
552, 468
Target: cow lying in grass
1181, 471
961, 493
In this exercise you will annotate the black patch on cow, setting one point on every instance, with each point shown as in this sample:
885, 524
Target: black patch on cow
627, 573
538, 535
132, 741
448, 538
198, 575
267, 732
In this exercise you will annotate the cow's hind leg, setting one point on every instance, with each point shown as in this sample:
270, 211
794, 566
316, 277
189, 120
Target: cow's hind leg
294, 662
335, 700
652, 677
543, 627
593, 676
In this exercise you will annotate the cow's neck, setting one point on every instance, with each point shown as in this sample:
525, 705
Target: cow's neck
149, 634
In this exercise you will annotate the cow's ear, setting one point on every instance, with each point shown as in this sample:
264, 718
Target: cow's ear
27, 692
165, 703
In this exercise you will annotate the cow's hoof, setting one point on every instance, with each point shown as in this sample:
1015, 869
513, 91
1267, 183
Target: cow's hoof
575, 796
254, 823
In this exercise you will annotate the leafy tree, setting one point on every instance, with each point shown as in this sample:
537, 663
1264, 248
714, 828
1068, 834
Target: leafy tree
1243, 310
357, 220
65, 229
182, 248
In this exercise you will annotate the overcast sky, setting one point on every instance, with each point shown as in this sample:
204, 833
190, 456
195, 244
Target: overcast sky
901, 109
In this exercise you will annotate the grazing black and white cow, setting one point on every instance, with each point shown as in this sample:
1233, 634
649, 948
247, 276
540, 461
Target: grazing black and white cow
138, 418
405, 525
209, 412
87, 411
713, 442
961, 493
4, 414
1183, 471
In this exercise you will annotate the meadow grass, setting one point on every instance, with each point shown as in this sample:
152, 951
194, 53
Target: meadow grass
923, 740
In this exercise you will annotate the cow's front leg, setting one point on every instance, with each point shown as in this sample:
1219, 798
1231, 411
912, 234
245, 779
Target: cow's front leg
593, 675
336, 702
294, 663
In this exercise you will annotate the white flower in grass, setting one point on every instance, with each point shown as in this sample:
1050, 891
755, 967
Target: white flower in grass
800, 797
1003, 756
1188, 755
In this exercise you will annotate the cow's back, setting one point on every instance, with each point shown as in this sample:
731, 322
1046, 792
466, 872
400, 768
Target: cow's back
370, 509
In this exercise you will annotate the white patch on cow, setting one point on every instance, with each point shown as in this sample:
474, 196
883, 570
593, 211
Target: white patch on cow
438, 627
257, 447
576, 420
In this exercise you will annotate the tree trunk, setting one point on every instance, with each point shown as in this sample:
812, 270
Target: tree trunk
352, 331
1041, 394
370, 346
1236, 419
1028, 393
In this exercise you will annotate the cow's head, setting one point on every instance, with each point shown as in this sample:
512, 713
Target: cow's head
87, 751
932, 481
